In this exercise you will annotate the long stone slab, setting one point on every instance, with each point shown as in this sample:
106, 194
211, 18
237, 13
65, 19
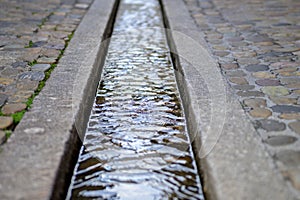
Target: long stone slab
37, 160
232, 159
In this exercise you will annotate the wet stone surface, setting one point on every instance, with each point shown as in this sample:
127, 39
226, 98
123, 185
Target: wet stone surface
261, 39
136, 145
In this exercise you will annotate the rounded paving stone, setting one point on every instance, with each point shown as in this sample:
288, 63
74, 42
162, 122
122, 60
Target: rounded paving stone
47, 60
267, 82
243, 87
288, 81
34, 76
10, 72
257, 68
280, 140
290, 158
290, 116
255, 103
295, 126
3, 99
290, 73
286, 69
2, 137
297, 92
5, 122
40, 67
293, 86
260, 113
271, 125
247, 61
229, 66
275, 91
250, 94
286, 109
20, 64
283, 100
236, 73
221, 53
294, 176
263, 75
27, 85
238, 80
13, 108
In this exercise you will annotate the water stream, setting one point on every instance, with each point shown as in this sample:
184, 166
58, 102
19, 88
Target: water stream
136, 145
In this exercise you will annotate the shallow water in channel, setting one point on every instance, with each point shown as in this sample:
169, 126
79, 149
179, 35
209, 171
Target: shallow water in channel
136, 144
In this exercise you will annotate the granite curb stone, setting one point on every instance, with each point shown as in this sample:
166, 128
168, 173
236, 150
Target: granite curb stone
45, 142
228, 170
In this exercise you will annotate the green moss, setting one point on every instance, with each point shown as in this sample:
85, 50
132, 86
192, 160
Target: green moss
30, 44
32, 63
45, 20
7, 133
18, 116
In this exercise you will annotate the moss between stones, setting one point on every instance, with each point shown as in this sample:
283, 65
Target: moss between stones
17, 117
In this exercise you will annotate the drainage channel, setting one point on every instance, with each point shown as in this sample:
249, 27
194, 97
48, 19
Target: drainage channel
136, 144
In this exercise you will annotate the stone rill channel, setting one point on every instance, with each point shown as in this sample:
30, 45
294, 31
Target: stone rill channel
136, 144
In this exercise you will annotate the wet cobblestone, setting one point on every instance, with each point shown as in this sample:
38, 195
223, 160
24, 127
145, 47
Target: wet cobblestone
33, 34
136, 145
258, 42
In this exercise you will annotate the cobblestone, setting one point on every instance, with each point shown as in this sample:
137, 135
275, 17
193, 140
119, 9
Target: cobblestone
260, 113
275, 91
5, 122
280, 140
2, 137
263, 42
295, 126
294, 176
13, 108
32, 35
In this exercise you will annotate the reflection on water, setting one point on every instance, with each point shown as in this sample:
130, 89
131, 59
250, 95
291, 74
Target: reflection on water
136, 145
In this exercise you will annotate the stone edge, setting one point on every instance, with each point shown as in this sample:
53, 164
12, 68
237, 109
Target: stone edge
38, 159
238, 167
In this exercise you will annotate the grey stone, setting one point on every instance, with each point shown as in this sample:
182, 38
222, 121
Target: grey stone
20, 64
271, 125
257, 68
55, 46
2, 137
235, 73
275, 54
280, 140
295, 126
34, 76
286, 109
10, 72
39, 44
294, 176
40, 67
250, 94
267, 82
290, 158
5, 122
243, 87
3, 99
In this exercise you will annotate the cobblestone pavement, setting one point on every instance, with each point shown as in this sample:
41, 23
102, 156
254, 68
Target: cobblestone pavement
257, 45
33, 35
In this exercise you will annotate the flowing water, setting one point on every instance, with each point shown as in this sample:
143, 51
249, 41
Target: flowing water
136, 145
